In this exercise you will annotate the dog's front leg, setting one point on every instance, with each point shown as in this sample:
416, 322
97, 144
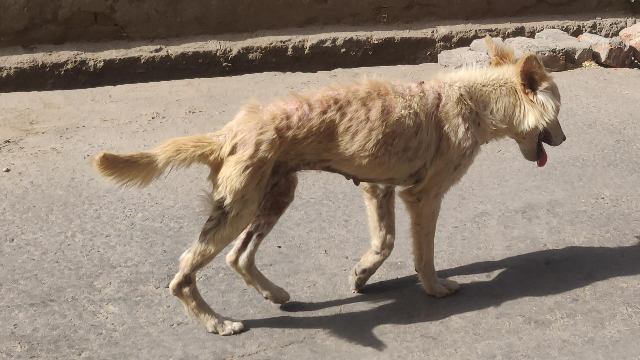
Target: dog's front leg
423, 209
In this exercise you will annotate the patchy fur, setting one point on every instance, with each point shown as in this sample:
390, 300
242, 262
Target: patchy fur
419, 137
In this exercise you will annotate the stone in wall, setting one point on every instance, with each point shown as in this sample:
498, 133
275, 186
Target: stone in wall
631, 37
481, 46
462, 57
558, 50
609, 52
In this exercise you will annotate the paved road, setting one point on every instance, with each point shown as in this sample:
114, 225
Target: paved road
548, 258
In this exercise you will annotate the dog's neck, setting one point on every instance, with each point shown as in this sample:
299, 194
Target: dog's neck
486, 101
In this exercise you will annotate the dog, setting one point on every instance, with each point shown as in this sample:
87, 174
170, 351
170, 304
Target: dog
419, 137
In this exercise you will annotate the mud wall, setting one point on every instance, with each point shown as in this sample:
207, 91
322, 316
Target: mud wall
26, 22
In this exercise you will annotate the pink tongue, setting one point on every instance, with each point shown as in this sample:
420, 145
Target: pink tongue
542, 161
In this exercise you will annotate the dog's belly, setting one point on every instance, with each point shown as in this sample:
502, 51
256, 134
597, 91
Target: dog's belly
379, 172
373, 171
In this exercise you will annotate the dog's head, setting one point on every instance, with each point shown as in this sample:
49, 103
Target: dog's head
535, 120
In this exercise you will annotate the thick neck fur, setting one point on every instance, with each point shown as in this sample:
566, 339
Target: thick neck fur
487, 101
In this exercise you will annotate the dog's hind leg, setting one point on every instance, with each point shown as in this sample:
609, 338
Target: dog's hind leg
235, 202
184, 286
379, 200
242, 256
423, 210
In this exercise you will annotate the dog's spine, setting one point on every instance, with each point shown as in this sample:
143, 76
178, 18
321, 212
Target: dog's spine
140, 169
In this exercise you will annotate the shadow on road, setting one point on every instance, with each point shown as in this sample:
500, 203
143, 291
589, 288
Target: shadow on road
538, 273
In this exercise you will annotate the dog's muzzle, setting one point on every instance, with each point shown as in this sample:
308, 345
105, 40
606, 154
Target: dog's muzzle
546, 137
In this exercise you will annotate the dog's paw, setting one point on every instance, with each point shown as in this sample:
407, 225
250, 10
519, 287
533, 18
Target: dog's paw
357, 283
358, 278
276, 295
441, 287
224, 327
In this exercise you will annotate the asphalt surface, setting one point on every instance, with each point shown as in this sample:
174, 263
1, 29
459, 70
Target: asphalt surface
548, 259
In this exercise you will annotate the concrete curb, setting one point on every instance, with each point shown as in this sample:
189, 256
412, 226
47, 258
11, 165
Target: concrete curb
77, 69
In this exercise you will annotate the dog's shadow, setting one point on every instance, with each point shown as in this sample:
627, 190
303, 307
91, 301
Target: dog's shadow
404, 302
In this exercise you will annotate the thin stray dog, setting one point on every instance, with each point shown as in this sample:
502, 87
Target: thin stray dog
420, 137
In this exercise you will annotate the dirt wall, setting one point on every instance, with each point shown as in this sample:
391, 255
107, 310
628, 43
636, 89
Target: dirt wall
26, 22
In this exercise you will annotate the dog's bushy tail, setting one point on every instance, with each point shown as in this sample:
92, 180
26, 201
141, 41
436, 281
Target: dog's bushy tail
140, 169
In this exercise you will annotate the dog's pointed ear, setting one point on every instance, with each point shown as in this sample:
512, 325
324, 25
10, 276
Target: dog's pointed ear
499, 54
532, 73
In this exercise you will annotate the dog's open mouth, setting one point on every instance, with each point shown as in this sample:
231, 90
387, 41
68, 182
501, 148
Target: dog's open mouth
543, 137
542, 155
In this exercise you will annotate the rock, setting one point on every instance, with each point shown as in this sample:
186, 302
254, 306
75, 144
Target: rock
565, 50
557, 50
462, 57
592, 39
554, 35
522, 45
480, 46
6, 170
610, 52
631, 37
